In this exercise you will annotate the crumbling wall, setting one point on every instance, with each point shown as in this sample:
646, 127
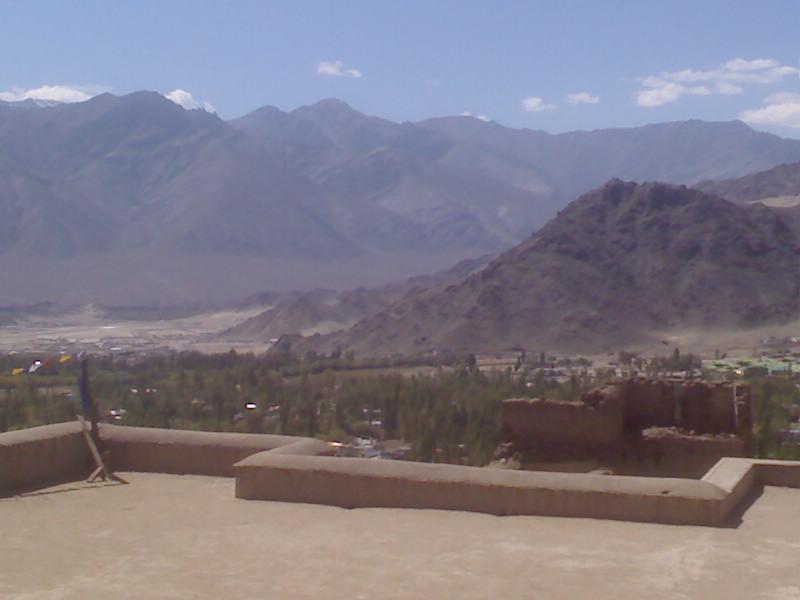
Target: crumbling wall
708, 408
554, 428
707, 421
696, 406
669, 452
744, 415
648, 403
723, 408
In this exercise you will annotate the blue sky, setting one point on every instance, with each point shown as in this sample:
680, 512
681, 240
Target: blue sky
623, 63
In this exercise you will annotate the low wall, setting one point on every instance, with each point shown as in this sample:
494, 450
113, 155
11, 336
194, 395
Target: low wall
737, 477
41, 455
361, 483
780, 473
193, 452
354, 483
290, 469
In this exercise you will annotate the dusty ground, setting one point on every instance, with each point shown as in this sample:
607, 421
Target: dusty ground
737, 344
188, 537
90, 330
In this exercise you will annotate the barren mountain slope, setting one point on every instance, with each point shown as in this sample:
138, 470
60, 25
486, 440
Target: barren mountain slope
780, 181
322, 311
618, 265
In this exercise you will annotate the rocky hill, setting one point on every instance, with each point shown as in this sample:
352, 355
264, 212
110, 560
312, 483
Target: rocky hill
132, 200
619, 266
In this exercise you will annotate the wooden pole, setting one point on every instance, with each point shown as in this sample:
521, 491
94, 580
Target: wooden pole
92, 435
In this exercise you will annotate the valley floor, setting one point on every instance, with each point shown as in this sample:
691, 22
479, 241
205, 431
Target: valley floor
88, 331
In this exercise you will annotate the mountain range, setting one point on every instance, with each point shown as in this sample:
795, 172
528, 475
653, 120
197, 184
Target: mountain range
127, 200
621, 266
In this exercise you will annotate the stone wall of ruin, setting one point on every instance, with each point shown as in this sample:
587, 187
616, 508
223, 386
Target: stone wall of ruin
648, 404
550, 427
673, 455
702, 422
695, 406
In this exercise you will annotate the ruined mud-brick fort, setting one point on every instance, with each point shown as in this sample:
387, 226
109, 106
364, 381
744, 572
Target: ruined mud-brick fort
671, 428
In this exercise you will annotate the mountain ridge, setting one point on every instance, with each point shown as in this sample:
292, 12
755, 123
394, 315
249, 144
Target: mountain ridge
135, 186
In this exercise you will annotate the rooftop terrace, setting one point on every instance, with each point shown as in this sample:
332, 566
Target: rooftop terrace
171, 536
184, 527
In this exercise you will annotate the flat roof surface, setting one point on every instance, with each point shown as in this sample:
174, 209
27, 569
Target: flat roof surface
168, 536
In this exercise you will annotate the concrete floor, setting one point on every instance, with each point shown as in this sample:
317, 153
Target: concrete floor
168, 536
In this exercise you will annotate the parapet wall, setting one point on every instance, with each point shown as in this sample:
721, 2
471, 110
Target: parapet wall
360, 483
42, 455
30, 457
291, 470
193, 452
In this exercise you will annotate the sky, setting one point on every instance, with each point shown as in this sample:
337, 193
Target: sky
558, 66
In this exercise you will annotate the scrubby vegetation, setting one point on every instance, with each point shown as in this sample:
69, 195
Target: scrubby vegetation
448, 412
445, 412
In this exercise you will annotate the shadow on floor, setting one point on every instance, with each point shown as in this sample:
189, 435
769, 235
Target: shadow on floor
42, 490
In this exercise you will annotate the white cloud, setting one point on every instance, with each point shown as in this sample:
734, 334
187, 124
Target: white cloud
668, 92
729, 78
582, 98
51, 93
757, 64
781, 109
782, 98
186, 100
467, 113
336, 68
536, 104
727, 88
